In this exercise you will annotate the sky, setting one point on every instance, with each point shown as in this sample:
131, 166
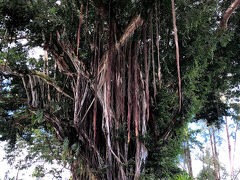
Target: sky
222, 147
25, 174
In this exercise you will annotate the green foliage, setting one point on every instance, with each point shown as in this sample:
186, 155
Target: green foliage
163, 157
182, 176
17, 14
206, 173
38, 172
44, 149
38, 118
65, 149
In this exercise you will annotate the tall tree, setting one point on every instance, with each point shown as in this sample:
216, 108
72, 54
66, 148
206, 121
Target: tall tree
93, 89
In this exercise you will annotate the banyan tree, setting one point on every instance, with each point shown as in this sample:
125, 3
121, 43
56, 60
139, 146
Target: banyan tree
116, 77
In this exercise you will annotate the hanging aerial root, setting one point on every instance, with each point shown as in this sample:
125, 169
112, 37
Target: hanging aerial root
95, 87
146, 67
136, 89
177, 53
153, 62
129, 90
157, 44
51, 82
79, 28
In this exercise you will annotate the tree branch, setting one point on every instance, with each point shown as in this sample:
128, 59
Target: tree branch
13, 99
5, 69
51, 82
228, 13
135, 23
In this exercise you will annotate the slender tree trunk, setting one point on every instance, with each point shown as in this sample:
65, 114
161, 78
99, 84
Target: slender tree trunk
216, 153
17, 173
234, 151
187, 154
213, 154
229, 147
189, 160
203, 161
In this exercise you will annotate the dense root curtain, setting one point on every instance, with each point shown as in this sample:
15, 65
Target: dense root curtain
107, 93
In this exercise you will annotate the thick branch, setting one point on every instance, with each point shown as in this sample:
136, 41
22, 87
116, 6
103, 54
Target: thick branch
15, 38
51, 82
135, 23
13, 99
4, 68
228, 13
47, 79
